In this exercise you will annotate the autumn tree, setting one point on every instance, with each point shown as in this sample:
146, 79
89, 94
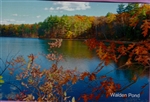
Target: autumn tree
137, 55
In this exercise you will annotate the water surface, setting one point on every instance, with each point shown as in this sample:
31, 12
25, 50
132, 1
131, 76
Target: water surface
76, 55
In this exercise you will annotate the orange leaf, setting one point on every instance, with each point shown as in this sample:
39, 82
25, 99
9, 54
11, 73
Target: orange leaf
102, 77
141, 92
85, 97
94, 89
92, 77
98, 97
91, 96
145, 27
134, 78
107, 61
74, 80
122, 50
109, 89
83, 75
39, 99
130, 46
128, 62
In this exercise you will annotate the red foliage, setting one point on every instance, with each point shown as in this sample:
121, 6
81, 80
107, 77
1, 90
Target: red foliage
92, 77
83, 75
85, 97
92, 43
145, 27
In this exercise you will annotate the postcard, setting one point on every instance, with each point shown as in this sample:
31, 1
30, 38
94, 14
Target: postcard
75, 51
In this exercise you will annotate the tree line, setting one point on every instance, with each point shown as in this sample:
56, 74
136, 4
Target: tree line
123, 25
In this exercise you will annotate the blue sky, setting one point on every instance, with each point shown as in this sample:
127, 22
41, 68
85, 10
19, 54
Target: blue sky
33, 11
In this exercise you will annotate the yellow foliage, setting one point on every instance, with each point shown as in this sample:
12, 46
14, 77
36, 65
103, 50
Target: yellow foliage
111, 18
69, 34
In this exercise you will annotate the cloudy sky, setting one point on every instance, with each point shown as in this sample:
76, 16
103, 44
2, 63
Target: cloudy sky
33, 11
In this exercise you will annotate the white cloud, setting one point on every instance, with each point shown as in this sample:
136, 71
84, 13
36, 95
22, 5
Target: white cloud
11, 21
69, 6
38, 16
4, 22
72, 6
25, 15
51, 9
8, 20
45, 8
20, 15
15, 14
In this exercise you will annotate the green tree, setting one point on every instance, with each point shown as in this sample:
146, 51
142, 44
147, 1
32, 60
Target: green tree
121, 8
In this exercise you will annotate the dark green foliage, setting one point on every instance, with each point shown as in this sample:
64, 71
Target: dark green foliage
121, 8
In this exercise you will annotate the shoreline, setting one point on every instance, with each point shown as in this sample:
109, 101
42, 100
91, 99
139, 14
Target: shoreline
44, 38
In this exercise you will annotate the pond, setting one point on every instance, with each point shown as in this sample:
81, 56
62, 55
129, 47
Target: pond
76, 55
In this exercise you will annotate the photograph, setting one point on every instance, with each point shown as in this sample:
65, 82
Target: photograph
74, 51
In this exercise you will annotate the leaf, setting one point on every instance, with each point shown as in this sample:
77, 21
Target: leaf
1, 81
30, 97
141, 92
145, 27
98, 97
83, 75
40, 99
85, 97
103, 76
73, 99
130, 46
100, 52
18, 77
65, 94
134, 21
144, 85
92, 43
22, 83
74, 80
91, 96
107, 61
11, 72
128, 62
134, 78
31, 57
122, 50
109, 91
92, 77
1, 77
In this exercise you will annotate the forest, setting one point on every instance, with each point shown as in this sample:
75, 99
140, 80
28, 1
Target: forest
125, 25
113, 36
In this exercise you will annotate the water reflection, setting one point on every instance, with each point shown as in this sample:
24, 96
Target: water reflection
129, 72
74, 49
76, 55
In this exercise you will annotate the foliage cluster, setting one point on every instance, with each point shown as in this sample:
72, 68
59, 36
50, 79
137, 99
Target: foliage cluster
137, 52
52, 84
123, 26
134, 22
22, 30
37, 84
